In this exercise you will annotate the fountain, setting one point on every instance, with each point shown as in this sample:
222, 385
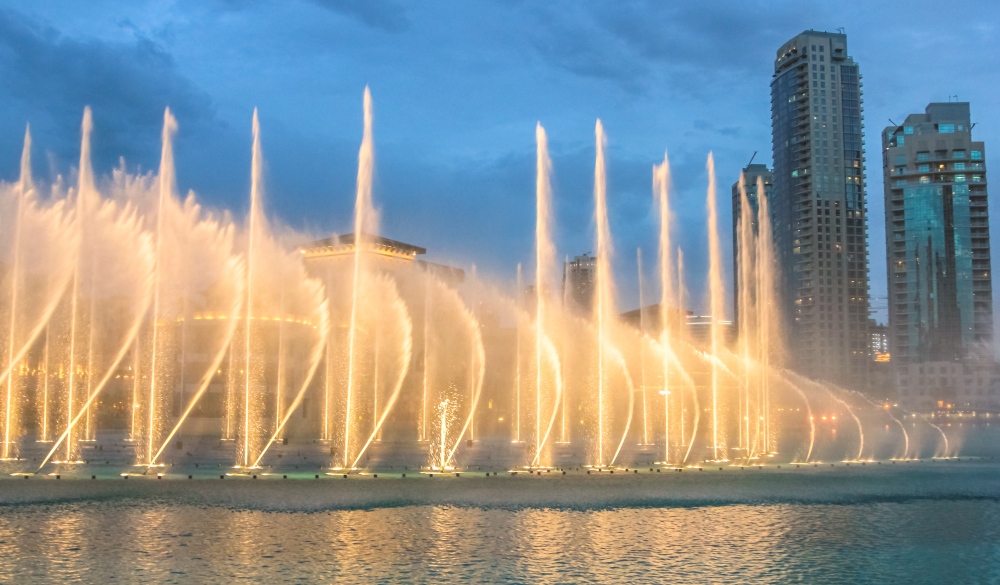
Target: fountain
138, 319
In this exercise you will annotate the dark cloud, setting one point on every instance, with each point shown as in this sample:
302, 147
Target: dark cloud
128, 85
384, 15
692, 45
585, 49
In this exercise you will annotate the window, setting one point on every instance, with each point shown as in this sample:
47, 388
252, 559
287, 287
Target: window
900, 159
958, 154
946, 128
977, 155
907, 129
925, 180
959, 166
959, 178
923, 156
900, 140
977, 178
923, 168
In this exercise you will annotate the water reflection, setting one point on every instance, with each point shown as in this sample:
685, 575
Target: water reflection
919, 541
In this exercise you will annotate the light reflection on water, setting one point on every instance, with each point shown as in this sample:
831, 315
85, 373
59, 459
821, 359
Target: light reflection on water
930, 541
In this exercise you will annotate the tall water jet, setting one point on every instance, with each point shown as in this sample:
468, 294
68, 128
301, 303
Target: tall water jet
161, 349
107, 330
12, 398
604, 307
746, 287
85, 188
544, 268
716, 302
249, 422
767, 297
364, 228
668, 296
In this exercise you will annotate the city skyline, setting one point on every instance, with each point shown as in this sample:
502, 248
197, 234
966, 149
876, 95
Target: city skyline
310, 169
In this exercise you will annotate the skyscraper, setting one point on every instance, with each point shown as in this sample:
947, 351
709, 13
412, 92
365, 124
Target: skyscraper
937, 238
818, 207
579, 276
750, 175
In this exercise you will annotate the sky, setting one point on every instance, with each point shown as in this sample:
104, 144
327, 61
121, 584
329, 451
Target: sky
458, 88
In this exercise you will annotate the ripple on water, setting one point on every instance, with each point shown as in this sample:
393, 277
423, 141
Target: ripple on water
884, 542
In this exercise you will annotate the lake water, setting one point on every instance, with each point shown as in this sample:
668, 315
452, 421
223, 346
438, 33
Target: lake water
929, 522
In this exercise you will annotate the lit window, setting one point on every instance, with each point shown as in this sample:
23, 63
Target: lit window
925, 180
977, 178
959, 178
977, 155
946, 128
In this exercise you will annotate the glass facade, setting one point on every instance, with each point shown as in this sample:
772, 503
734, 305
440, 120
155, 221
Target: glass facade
938, 271
937, 239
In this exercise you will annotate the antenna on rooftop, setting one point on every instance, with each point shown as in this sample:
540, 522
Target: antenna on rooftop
752, 157
840, 29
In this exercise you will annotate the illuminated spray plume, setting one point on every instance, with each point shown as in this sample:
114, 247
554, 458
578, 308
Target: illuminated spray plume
134, 296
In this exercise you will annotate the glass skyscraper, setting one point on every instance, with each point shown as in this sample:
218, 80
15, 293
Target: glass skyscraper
937, 237
818, 207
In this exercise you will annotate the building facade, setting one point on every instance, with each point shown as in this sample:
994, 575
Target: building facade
750, 175
579, 280
818, 207
938, 256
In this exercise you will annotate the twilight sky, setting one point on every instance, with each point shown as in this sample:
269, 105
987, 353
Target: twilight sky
458, 88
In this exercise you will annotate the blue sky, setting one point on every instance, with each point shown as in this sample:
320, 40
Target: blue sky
458, 88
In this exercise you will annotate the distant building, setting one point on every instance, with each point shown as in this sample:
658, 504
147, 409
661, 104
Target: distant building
750, 174
699, 330
818, 208
579, 281
938, 259
878, 336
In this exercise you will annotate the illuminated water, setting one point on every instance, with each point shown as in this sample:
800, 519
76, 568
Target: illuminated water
930, 522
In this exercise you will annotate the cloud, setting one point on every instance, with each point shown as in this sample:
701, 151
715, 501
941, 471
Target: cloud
691, 45
128, 84
385, 15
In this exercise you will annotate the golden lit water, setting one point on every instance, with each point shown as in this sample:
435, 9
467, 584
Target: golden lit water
774, 544
916, 525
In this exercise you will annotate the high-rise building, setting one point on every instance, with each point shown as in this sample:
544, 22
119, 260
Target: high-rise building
750, 175
937, 239
579, 277
818, 208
